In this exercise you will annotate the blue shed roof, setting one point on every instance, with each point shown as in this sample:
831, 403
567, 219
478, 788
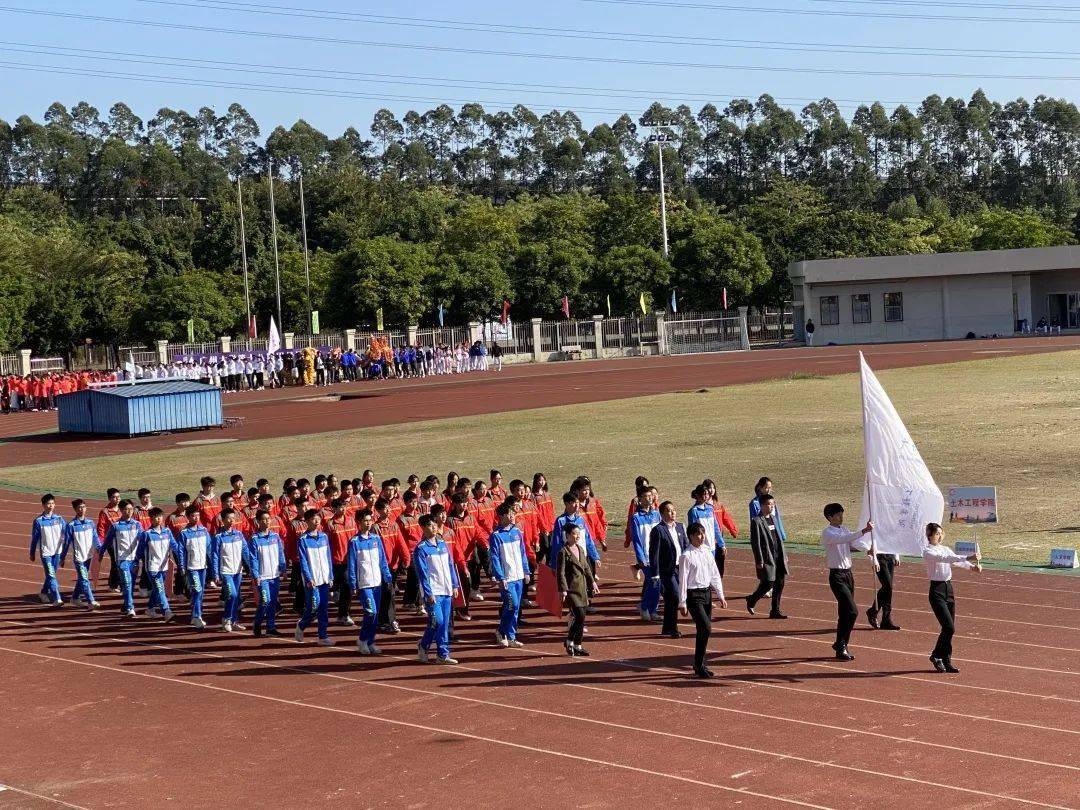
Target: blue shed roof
155, 388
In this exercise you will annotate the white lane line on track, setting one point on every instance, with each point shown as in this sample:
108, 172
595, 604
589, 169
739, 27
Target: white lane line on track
763, 752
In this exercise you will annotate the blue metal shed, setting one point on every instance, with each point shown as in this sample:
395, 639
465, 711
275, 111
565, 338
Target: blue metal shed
154, 406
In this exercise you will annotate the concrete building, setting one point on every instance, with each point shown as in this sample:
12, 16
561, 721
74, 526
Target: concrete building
938, 296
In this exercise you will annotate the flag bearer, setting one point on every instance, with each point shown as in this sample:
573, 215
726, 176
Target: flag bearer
839, 542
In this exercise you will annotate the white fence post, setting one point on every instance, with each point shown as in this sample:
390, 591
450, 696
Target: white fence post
661, 333
744, 332
536, 339
474, 332
411, 330
225, 343
288, 340
163, 352
598, 335
350, 339
24, 362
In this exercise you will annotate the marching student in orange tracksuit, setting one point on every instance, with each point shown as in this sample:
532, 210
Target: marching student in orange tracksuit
398, 557
592, 510
463, 528
545, 513
340, 529
110, 514
495, 488
408, 523
209, 504
483, 513
288, 493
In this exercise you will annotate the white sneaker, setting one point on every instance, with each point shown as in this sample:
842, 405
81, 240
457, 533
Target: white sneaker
515, 643
299, 634
238, 626
362, 648
420, 610
395, 627
422, 654
347, 621
501, 640
198, 623
94, 605
226, 626
58, 603
130, 614
325, 642
479, 597
374, 650
447, 660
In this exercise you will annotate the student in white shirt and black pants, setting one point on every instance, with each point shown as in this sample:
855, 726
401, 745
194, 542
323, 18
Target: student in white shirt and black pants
940, 560
697, 575
839, 543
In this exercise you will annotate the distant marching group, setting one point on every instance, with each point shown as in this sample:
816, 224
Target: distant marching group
255, 371
352, 543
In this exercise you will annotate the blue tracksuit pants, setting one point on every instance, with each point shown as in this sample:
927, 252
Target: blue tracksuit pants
82, 582
126, 568
51, 588
369, 599
230, 590
317, 606
268, 604
196, 580
650, 592
158, 597
438, 628
511, 609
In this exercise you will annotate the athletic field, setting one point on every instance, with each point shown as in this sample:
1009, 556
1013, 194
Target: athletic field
137, 714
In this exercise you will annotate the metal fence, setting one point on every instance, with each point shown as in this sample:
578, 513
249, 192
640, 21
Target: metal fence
41, 365
174, 350
555, 336
702, 335
9, 364
140, 355
769, 325
442, 335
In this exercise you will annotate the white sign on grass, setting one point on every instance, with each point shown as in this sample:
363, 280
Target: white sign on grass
1064, 558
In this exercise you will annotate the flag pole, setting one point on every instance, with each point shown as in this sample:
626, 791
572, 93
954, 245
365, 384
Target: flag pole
307, 267
243, 257
273, 230
866, 457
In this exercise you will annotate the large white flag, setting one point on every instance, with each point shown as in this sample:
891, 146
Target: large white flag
900, 495
273, 338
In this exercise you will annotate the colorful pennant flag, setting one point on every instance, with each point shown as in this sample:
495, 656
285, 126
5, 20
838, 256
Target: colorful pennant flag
566, 307
641, 303
440, 314
505, 312
191, 330
379, 320
674, 303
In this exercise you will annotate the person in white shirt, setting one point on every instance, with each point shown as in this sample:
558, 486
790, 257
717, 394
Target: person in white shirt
839, 542
940, 560
697, 575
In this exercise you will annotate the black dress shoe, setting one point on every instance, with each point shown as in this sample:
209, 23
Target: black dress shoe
675, 634
949, 666
702, 673
938, 663
887, 625
776, 614
749, 606
275, 633
579, 650
708, 672
258, 632
843, 655
871, 616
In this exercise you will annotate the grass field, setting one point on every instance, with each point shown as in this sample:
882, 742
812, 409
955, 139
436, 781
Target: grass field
1009, 422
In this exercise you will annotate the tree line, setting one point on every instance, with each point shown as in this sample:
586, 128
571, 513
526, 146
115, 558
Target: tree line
116, 229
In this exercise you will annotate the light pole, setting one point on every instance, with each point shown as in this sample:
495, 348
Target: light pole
307, 267
273, 230
660, 138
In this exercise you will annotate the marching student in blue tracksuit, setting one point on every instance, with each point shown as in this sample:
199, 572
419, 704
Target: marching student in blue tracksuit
196, 549
317, 573
156, 544
229, 556
122, 541
641, 524
705, 513
267, 567
46, 536
368, 573
439, 583
571, 514
81, 538
509, 567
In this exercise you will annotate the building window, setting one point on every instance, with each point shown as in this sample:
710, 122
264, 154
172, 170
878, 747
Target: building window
894, 306
830, 310
860, 308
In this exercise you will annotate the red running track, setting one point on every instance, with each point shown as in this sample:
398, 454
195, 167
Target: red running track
137, 714
30, 438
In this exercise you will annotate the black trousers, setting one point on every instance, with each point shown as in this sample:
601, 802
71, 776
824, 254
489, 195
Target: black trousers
699, 604
842, 584
387, 614
763, 587
669, 590
480, 561
721, 557
943, 603
577, 624
886, 563
296, 588
341, 584
114, 569
412, 587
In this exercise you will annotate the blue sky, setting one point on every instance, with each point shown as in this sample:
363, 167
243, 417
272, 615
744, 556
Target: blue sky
349, 74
